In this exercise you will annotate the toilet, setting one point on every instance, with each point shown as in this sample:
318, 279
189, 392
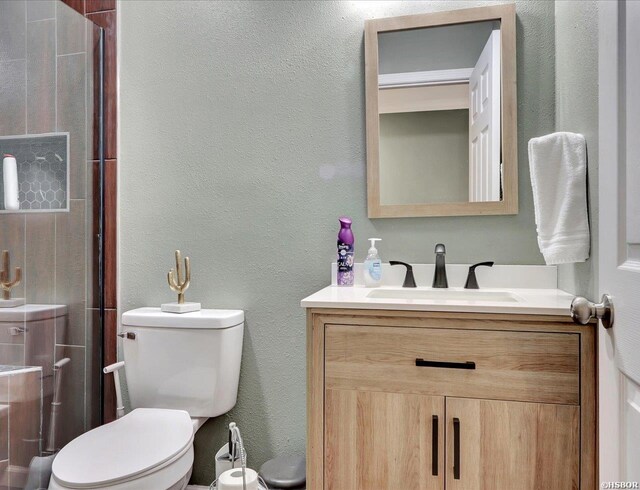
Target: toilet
181, 369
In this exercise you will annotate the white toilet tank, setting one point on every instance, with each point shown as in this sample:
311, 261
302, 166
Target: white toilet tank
188, 361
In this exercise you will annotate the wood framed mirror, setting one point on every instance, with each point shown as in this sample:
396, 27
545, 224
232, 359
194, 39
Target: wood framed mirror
441, 113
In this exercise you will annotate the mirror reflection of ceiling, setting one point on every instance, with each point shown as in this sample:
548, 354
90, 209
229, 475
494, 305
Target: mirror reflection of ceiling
433, 48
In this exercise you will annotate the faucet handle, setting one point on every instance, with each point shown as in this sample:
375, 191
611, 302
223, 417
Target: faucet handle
440, 249
409, 281
472, 280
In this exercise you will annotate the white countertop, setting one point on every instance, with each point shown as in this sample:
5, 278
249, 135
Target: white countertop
546, 301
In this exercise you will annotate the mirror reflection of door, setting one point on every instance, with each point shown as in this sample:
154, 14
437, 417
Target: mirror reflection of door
439, 105
484, 124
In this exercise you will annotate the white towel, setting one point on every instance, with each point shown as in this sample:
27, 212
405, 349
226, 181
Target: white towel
558, 164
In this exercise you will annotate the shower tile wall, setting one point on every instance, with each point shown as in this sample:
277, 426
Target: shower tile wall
46, 58
103, 13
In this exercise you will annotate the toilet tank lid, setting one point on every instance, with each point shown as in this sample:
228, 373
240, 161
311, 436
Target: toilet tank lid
206, 319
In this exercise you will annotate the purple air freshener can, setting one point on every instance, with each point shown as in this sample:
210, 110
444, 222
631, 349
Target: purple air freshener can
345, 253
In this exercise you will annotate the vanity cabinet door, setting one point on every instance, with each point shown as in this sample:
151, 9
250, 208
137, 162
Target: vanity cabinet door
498, 445
383, 441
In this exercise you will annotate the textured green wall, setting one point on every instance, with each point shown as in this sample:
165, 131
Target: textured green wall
433, 48
577, 111
242, 141
424, 157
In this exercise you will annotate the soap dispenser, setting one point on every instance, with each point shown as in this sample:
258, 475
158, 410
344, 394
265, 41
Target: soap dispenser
373, 266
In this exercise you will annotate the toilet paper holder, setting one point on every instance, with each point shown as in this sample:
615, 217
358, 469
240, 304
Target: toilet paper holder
228, 475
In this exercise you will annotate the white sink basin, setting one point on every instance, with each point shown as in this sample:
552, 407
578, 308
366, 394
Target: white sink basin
473, 295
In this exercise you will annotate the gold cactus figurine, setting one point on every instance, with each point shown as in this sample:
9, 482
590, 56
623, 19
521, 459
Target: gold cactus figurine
5, 283
179, 284
175, 280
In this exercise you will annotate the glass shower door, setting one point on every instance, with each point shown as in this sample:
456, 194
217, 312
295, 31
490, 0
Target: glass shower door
50, 229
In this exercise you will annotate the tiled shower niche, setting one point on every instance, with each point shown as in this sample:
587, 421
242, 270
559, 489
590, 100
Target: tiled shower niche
43, 171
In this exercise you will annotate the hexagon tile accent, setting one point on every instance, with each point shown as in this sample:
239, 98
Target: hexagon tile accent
42, 170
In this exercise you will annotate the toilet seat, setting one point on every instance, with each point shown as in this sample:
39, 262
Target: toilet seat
146, 444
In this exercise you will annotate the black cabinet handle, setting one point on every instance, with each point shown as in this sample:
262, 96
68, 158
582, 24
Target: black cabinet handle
456, 448
445, 364
434, 445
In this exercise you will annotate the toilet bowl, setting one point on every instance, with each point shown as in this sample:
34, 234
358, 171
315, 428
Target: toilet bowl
147, 448
181, 370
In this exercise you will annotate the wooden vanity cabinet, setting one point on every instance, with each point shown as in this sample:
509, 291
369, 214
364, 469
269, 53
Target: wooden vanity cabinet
426, 400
